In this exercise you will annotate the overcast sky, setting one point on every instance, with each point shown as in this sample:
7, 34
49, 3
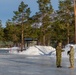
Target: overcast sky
8, 6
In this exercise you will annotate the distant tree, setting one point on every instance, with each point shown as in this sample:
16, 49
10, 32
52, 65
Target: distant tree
11, 32
1, 31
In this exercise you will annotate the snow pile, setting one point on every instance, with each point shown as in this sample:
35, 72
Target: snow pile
47, 50
42, 50
39, 50
4, 48
67, 48
14, 50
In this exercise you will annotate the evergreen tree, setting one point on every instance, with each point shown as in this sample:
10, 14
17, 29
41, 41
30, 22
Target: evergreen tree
45, 8
65, 20
1, 31
20, 17
12, 32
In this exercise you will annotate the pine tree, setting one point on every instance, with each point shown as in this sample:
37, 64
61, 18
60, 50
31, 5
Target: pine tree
20, 17
1, 31
66, 15
45, 8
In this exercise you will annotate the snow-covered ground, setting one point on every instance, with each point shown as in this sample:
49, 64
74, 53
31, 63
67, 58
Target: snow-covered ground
21, 63
13, 64
11, 48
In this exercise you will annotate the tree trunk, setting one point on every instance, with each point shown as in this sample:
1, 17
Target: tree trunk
44, 40
22, 36
75, 18
67, 33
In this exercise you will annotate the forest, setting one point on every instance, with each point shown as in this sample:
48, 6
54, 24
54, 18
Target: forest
47, 25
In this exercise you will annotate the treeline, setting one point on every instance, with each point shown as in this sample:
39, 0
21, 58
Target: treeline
47, 25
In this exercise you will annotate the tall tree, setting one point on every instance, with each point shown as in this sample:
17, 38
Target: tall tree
20, 17
75, 18
66, 15
46, 9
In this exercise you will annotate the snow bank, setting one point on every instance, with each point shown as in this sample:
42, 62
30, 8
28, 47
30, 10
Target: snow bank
14, 50
4, 48
47, 50
43, 50
39, 50
67, 48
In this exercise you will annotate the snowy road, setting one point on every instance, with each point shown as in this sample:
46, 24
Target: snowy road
29, 65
